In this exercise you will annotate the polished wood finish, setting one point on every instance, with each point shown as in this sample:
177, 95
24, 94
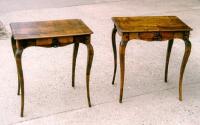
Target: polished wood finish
149, 28
49, 29
115, 52
50, 34
75, 52
169, 48
149, 23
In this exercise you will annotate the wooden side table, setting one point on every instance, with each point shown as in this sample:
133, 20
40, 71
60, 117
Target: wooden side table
50, 34
150, 28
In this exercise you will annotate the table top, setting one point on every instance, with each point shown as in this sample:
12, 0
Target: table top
149, 24
49, 29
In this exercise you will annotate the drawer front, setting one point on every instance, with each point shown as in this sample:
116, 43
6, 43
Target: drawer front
152, 36
54, 42
44, 42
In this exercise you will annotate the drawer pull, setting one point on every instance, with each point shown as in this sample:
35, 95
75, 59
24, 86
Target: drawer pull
55, 43
157, 36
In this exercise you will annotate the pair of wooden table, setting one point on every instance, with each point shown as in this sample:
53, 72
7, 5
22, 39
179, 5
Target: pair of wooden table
73, 31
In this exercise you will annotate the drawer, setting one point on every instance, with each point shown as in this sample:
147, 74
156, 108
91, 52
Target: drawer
54, 42
65, 40
152, 36
44, 42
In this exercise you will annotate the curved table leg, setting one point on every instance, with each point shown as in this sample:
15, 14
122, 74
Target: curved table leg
184, 62
18, 56
76, 46
122, 48
14, 52
13, 45
89, 65
170, 44
114, 52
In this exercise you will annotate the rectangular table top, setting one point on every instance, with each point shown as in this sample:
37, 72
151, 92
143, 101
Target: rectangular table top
150, 23
49, 29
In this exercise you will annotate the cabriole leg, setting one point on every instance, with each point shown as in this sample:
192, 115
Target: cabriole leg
89, 64
170, 44
14, 52
18, 56
184, 62
122, 48
76, 46
114, 52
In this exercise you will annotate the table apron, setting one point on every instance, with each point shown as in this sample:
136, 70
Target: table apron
53, 42
156, 36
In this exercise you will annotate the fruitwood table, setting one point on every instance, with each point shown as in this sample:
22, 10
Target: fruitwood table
150, 28
50, 34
